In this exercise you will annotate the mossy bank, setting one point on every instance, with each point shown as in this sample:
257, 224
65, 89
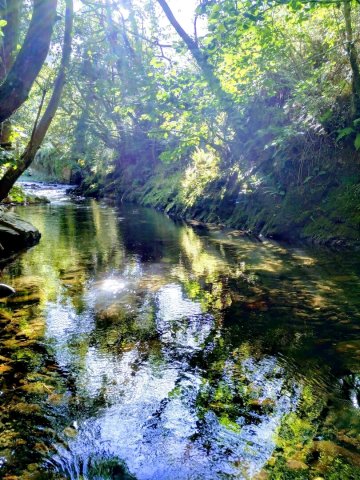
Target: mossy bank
290, 199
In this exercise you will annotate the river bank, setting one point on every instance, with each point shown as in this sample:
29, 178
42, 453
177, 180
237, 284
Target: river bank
320, 208
323, 209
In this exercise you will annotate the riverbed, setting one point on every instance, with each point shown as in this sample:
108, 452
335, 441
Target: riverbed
142, 348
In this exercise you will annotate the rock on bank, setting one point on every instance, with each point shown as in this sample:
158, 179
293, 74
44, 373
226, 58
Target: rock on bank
15, 234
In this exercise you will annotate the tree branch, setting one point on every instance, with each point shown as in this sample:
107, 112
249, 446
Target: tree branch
18, 82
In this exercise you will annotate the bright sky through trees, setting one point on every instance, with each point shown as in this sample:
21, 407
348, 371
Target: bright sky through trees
184, 11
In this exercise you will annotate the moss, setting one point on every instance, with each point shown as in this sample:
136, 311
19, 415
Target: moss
229, 424
321, 206
299, 453
329, 468
17, 196
282, 471
112, 468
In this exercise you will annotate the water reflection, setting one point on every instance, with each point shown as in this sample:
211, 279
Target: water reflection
112, 285
138, 348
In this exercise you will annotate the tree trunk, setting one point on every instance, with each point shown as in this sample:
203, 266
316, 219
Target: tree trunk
353, 58
10, 12
19, 80
41, 128
203, 63
5, 135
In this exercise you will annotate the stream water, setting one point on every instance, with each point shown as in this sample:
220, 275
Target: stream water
140, 348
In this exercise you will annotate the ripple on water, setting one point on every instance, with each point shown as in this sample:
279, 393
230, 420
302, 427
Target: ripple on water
137, 348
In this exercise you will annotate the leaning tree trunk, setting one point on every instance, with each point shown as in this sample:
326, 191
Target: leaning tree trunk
26, 67
205, 66
353, 59
10, 12
41, 127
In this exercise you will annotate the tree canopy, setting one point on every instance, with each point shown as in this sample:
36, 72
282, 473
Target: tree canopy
244, 81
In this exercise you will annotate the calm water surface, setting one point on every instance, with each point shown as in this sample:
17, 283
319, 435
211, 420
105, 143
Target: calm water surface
140, 348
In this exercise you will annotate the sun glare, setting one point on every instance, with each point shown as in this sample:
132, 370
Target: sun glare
113, 285
184, 11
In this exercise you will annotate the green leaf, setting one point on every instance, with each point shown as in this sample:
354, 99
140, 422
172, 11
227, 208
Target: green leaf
357, 141
345, 132
326, 116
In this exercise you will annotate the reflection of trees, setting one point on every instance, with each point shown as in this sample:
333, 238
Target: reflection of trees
252, 324
77, 242
284, 299
205, 273
149, 235
311, 443
32, 389
124, 322
279, 301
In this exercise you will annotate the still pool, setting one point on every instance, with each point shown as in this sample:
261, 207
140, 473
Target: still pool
141, 348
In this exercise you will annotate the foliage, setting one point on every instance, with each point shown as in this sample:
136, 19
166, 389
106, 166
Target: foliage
141, 121
135, 94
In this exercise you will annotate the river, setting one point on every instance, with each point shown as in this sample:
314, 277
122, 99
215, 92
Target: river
137, 347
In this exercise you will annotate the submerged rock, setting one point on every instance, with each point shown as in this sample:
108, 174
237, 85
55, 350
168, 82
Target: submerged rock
15, 234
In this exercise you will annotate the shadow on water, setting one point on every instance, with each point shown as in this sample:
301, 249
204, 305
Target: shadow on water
139, 348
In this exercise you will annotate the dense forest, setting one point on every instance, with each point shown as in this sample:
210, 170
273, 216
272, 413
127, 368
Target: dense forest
187, 176
238, 113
